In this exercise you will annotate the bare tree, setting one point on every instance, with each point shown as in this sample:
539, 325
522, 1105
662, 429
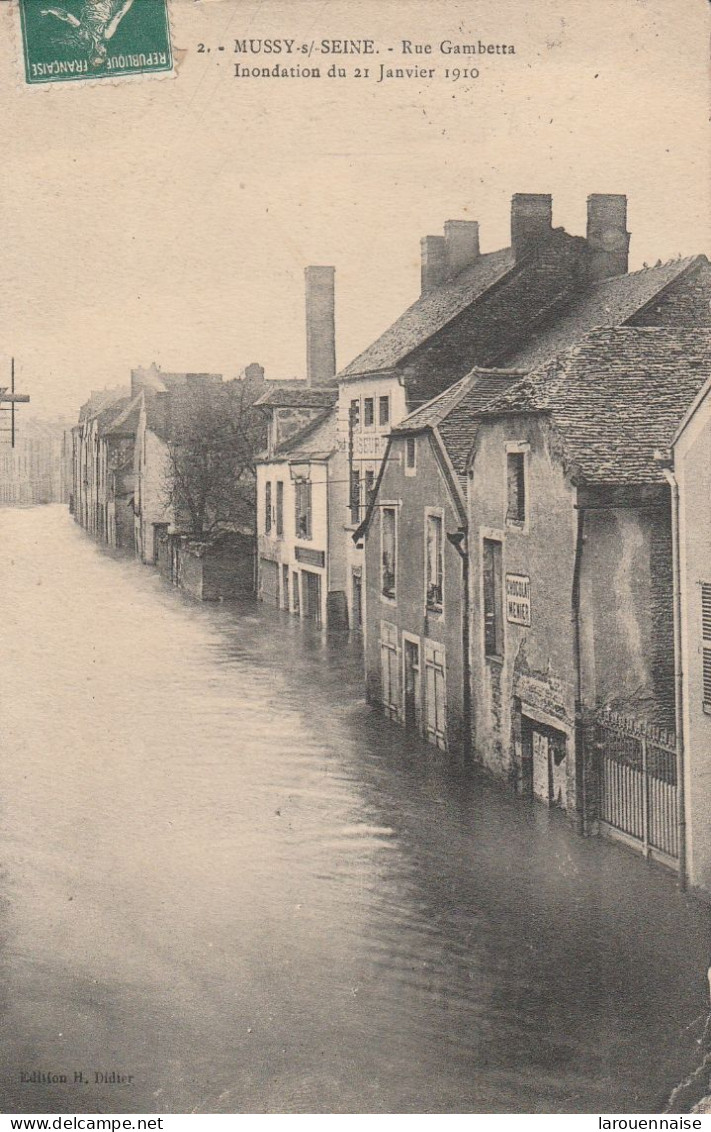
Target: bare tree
214, 433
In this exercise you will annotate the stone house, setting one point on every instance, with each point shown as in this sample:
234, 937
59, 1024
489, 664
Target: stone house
416, 565
299, 522
570, 577
511, 309
687, 465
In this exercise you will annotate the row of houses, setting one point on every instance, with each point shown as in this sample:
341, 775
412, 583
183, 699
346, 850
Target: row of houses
506, 496
36, 468
123, 475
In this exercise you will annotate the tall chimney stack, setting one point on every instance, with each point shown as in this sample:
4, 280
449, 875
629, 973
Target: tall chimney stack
433, 262
531, 221
462, 241
608, 238
320, 325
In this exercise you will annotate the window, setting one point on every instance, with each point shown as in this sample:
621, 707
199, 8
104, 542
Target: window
410, 456
354, 502
706, 643
368, 411
303, 509
435, 563
354, 413
280, 508
493, 598
268, 508
383, 410
369, 486
389, 551
516, 487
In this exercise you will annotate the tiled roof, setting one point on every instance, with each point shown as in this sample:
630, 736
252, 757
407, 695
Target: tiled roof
609, 303
126, 422
317, 441
455, 412
105, 417
100, 400
297, 395
430, 313
617, 397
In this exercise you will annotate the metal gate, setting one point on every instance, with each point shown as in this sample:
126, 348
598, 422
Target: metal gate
637, 785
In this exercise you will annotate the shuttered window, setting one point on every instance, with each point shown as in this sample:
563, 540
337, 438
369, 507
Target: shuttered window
267, 508
303, 509
493, 598
516, 487
389, 552
706, 642
280, 508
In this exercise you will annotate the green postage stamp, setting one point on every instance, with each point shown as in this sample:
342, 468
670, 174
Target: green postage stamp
94, 39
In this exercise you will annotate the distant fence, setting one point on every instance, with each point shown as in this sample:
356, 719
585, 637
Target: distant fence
637, 784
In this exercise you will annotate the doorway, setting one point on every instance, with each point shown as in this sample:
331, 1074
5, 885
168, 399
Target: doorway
544, 763
411, 684
312, 596
357, 606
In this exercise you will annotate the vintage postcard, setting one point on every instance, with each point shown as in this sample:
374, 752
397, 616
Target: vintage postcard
355, 544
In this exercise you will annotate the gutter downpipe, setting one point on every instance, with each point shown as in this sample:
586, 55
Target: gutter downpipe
678, 677
580, 775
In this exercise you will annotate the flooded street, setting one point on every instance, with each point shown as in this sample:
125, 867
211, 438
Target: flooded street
225, 877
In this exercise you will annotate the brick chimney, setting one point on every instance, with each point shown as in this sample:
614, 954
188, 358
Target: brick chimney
444, 257
433, 271
461, 238
531, 221
608, 238
320, 325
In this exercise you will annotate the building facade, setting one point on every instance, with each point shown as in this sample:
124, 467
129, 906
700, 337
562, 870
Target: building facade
571, 565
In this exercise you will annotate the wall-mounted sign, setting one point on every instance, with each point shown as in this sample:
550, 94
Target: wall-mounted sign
369, 444
518, 599
310, 557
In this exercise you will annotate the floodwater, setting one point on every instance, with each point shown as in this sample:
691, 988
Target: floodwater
224, 877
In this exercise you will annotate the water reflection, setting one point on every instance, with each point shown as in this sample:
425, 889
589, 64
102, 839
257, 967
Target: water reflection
227, 877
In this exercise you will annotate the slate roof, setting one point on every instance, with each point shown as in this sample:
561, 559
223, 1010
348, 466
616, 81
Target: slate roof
297, 395
317, 441
616, 398
430, 313
608, 303
455, 412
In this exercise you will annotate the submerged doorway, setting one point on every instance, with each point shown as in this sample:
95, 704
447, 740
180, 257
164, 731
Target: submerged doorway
544, 763
411, 684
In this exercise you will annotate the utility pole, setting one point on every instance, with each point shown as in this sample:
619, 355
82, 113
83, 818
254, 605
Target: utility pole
12, 398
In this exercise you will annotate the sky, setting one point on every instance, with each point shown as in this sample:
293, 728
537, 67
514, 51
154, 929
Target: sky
171, 220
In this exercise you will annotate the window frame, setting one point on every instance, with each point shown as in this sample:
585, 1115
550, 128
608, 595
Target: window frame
301, 485
410, 446
518, 449
434, 608
499, 623
279, 509
388, 507
383, 403
369, 410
